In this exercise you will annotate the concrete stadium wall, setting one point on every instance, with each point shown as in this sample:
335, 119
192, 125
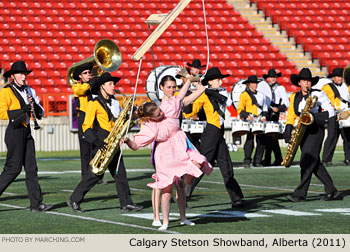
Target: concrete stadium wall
54, 135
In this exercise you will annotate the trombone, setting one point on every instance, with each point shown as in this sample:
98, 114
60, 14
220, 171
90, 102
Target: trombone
107, 57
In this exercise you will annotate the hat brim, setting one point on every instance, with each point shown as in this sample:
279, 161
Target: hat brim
205, 80
96, 84
249, 81
11, 72
190, 65
77, 73
296, 78
265, 76
331, 75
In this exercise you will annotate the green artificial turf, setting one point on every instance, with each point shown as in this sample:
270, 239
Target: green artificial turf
265, 189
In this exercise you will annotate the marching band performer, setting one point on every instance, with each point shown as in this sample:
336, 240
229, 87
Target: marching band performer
338, 94
279, 103
213, 145
174, 156
311, 143
101, 113
82, 95
252, 104
16, 105
195, 67
195, 70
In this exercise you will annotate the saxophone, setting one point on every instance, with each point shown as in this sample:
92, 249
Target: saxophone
104, 156
305, 119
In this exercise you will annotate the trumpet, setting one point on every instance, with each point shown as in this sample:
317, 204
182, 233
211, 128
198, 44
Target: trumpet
107, 57
29, 93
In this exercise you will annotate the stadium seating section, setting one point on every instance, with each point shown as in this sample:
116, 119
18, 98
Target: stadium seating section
51, 35
321, 27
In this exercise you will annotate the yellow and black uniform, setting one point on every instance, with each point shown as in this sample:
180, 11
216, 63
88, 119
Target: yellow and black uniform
14, 106
99, 120
311, 142
213, 145
82, 95
339, 97
252, 103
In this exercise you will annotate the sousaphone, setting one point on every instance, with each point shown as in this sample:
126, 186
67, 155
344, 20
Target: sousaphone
107, 58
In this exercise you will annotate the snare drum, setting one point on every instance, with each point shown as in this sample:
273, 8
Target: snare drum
186, 125
257, 128
240, 128
274, 129
197, 127
344, 123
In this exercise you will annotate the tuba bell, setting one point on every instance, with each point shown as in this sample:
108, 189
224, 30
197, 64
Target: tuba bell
107, 57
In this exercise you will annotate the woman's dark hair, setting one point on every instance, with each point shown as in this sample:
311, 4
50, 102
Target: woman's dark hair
166, 78
146, 110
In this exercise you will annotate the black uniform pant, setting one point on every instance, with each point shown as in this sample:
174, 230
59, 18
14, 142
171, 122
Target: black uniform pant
272, 145
213, 147
120, 178
249, 146
333, 134
194, 139
310, 162
84, 146
21, 152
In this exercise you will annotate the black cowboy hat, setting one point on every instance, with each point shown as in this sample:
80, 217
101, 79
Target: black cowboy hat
212, 74
17, 67
336, 72
80, 69
97, 82
196, 63
251, 79
304, 74
272, 73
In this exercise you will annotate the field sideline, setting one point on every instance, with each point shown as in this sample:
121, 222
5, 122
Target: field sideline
268, 211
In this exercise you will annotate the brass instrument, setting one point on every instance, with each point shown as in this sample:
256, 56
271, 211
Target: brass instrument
104, 156
107, 57
343, 114
305, 119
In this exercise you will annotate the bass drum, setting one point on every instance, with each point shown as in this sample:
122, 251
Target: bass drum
264, 88
321, 82
239, 88
152, 86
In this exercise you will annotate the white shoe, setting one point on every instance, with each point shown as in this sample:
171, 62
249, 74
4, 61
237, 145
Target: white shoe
156, 223
187, 223
163, 227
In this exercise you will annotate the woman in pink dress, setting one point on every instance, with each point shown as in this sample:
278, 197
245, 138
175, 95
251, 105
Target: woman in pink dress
175, 156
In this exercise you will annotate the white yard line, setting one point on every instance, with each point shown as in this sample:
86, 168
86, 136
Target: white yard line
94, 219
256, 186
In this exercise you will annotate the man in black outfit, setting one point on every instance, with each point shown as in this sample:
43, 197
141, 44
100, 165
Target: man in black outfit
213, 145
311, 143
338, 94
101, 113
16, 105
279, 103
